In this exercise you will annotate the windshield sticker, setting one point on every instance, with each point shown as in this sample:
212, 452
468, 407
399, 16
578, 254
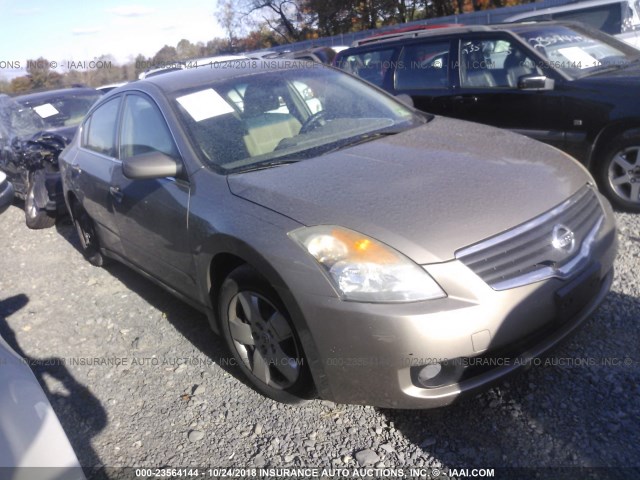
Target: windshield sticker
46, 110
578, 56
204, 104
543, 41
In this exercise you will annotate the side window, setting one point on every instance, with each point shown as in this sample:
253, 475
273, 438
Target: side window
100, 128
370, 66
423, 66
494, 63
144, 129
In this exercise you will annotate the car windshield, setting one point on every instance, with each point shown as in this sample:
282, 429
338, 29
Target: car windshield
578, 52
61, 110
274, 117
16, 121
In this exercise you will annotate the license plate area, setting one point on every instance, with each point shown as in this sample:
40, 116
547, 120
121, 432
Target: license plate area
572, 298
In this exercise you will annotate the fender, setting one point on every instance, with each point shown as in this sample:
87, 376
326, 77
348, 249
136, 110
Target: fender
628, 127
223, 244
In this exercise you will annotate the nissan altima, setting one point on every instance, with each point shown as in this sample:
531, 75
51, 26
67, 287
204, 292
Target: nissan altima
343, 244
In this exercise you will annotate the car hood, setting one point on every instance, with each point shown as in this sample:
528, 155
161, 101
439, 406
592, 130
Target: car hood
624, 77
426, 192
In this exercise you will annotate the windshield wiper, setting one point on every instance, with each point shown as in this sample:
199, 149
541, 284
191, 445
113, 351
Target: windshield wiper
367, 137
267, 164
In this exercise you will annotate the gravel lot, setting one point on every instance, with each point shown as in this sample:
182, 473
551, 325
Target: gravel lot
175, 401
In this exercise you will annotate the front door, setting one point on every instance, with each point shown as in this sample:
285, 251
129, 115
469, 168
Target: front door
152, 214
490, 68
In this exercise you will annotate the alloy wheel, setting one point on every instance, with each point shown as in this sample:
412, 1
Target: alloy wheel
264, 340
624, 174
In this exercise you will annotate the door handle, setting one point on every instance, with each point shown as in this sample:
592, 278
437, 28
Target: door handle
75, 170
465, 99
116, 193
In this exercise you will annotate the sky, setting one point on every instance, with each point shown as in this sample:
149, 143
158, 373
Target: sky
81, 30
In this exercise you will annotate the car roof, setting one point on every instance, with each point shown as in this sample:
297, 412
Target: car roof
39, 96
435, 32
218, 72
582, 5
393, 39
403, 32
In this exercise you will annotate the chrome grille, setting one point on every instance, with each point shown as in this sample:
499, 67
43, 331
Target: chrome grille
527, 254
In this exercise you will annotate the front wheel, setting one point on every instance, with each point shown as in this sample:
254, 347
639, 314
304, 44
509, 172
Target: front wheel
35, 202
259, 333
619, 173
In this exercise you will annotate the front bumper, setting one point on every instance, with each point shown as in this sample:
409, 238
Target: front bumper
372, 353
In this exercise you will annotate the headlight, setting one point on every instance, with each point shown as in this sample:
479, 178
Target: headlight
364, 269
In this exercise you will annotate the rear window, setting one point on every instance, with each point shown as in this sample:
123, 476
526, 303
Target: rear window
100, 129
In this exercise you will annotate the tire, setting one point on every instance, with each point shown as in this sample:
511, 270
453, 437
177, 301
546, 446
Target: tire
35, 215
619, 173
261, 338
89, 241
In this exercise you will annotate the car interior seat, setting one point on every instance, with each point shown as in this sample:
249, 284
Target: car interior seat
477, 74
267, 122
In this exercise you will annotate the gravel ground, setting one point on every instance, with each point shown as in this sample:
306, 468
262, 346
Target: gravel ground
176, 402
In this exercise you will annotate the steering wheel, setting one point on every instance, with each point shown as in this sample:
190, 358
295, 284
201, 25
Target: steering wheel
314, 121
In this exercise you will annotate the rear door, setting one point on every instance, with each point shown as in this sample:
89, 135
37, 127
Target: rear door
94, 166
423, 71
152, 214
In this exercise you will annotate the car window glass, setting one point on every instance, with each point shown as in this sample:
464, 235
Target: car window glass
370, 66
67, 110
494, 63
237, 93
308, 95
101, 134
423, 66
607, 18
575, 51
144, 129
238, 122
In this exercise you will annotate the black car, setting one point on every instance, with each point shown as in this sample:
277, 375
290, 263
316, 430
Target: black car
34, 129
562, 83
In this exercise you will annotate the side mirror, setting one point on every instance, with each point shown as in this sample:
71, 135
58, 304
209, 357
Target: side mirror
535, 82
406, 99
151, 165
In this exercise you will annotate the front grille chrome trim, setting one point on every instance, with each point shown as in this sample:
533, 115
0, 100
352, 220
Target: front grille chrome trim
499, 260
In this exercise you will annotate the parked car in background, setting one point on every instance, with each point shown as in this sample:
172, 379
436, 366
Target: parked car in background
620, 18
109, 87
6, 192
565, 84
371, 252
203, 62
34, 129
324, 55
